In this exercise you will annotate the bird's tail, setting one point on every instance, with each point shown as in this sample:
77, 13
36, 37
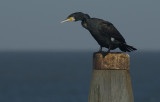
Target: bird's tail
126, 48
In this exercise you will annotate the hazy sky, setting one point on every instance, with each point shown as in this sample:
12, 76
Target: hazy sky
35, 24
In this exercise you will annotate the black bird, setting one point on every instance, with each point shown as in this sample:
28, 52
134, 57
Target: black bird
103, 32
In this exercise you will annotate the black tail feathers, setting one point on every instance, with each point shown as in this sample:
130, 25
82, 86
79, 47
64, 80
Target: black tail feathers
126, 48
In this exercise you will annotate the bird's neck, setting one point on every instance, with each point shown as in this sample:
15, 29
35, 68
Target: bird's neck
84, 24
84, 19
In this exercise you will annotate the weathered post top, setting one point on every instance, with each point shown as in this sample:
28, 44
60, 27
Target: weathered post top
112, 61
111, 80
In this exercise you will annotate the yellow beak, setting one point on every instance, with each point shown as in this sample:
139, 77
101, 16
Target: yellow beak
69, 19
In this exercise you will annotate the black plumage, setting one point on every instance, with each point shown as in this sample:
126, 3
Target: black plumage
103, 32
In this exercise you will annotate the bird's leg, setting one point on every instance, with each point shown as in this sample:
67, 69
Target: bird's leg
107, 51
100, 49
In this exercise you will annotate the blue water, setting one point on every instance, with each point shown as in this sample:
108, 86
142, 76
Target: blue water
65, 76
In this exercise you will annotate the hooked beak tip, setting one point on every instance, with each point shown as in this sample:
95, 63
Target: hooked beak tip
64, 21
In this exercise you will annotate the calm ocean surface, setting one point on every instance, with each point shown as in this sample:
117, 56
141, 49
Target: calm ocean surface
65, 77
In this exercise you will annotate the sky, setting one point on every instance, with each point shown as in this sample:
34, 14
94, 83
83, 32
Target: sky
30, 25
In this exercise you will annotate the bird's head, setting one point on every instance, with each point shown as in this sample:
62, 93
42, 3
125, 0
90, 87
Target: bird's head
76, 17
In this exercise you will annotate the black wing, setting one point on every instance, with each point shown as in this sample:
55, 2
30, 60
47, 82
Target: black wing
108, 29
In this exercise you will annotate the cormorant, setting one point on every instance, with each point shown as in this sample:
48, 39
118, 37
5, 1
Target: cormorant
103, 32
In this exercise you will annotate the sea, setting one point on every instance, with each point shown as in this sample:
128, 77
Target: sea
52, 76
